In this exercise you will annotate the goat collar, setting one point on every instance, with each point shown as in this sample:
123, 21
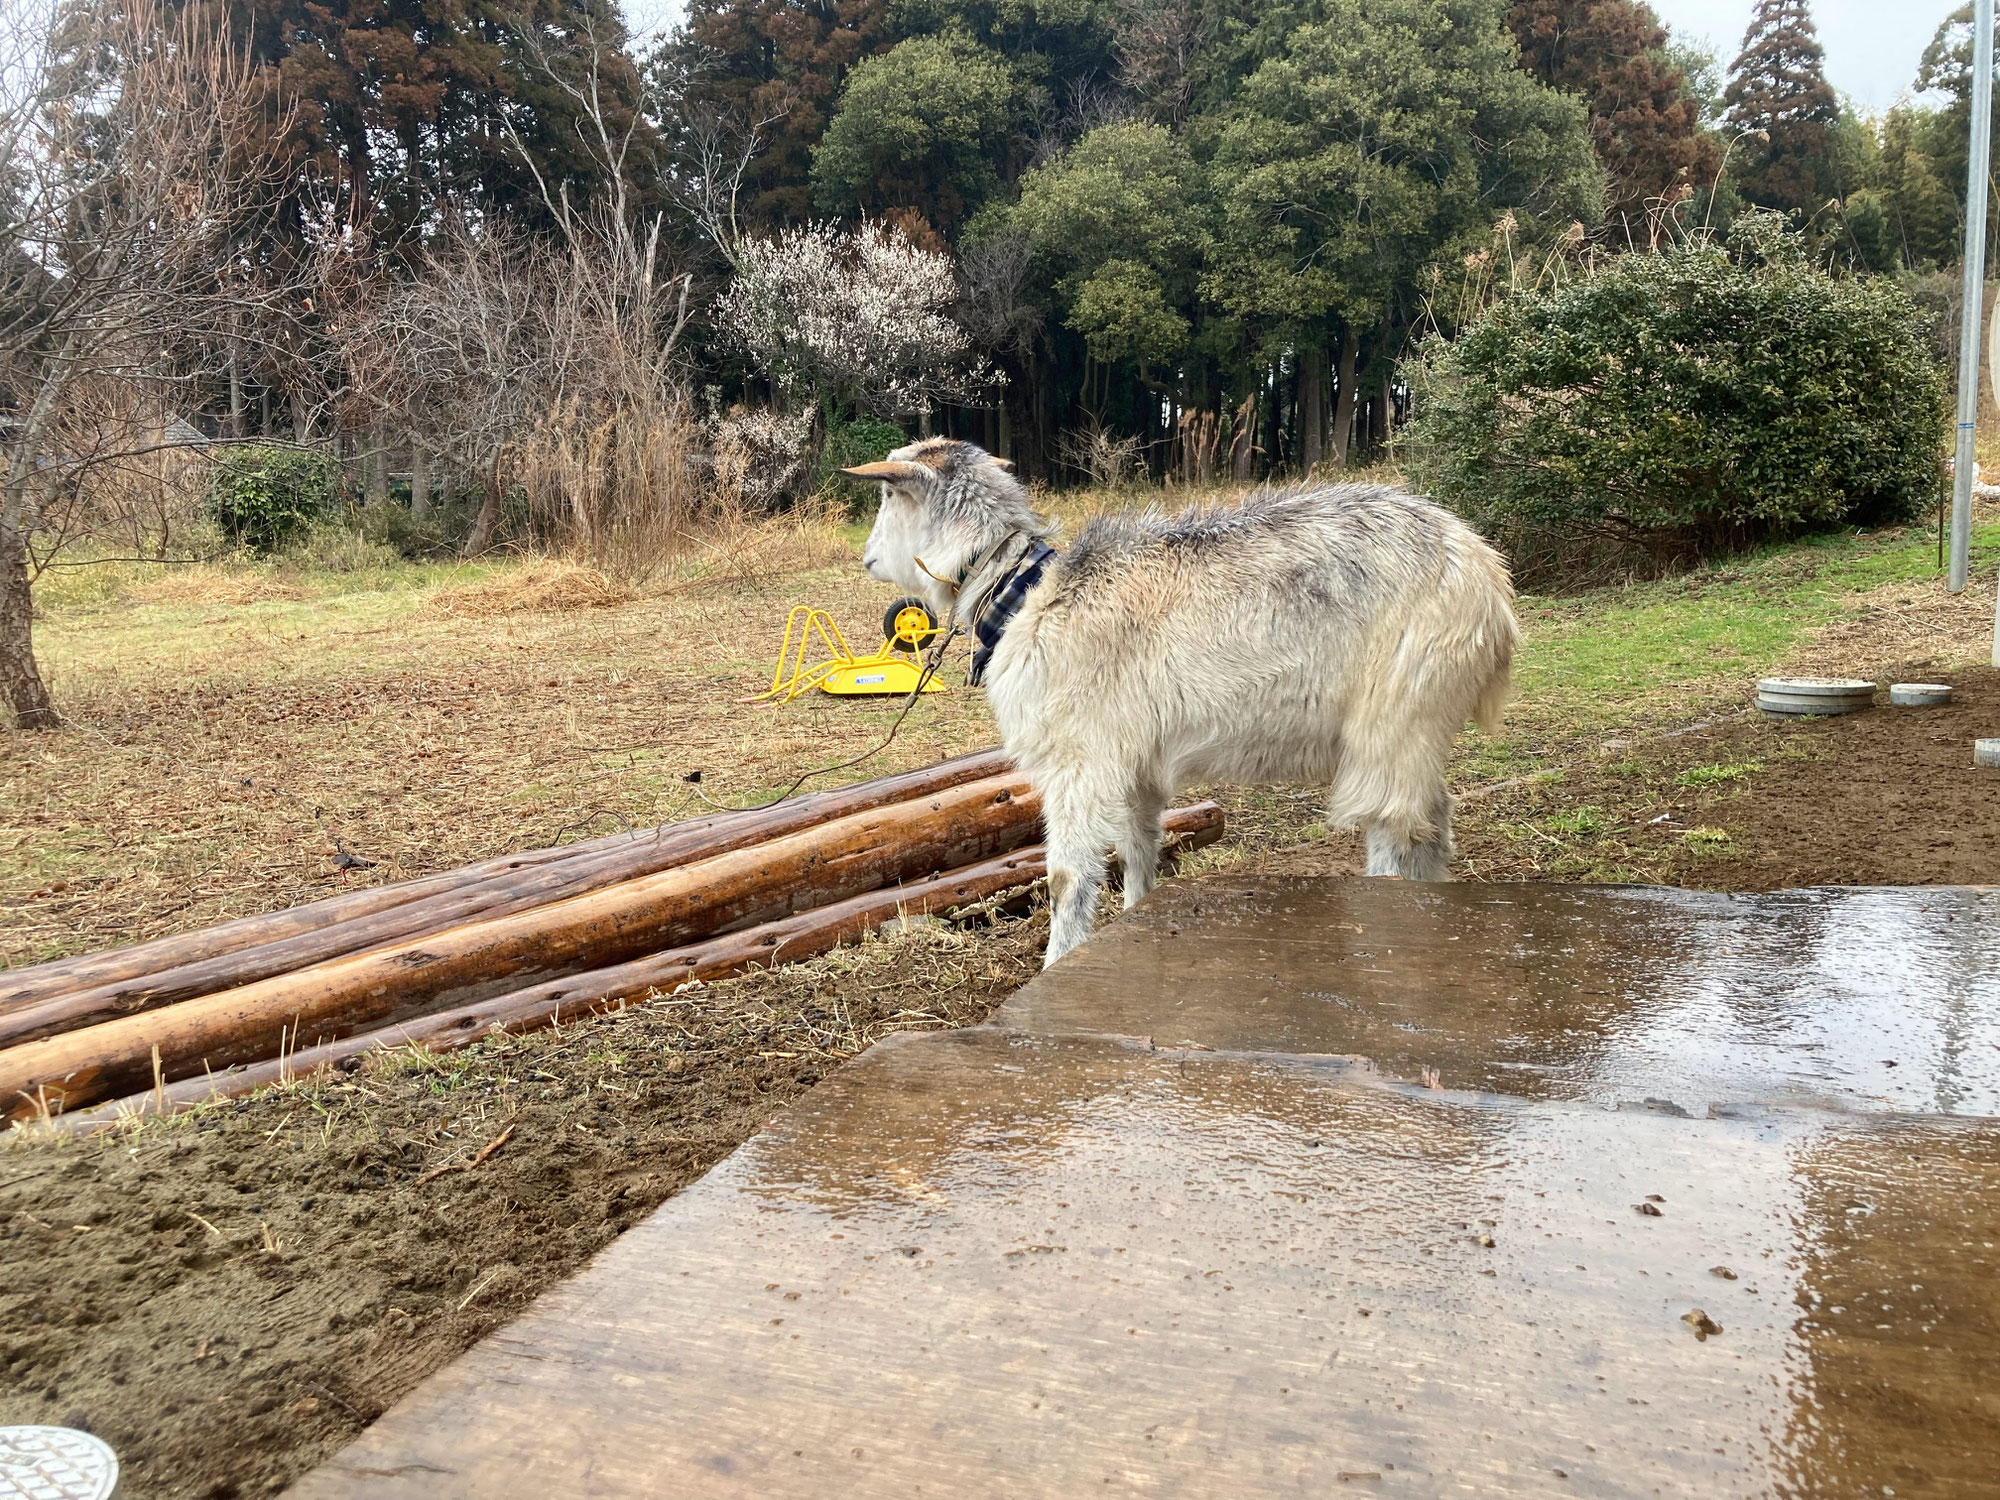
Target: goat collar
1003, 603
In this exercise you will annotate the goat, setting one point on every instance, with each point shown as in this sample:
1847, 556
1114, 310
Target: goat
1334, 634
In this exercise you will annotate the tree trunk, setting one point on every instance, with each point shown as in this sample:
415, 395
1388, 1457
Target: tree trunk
1312, 402
1343, 405
488, 520
1243, 440
239, 427
338, 916
786, 940
1274, 442
301, 425
420, 480
504, 895
378, 460
20, 677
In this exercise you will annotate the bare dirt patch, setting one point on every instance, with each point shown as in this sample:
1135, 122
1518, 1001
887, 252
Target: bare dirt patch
228, 1298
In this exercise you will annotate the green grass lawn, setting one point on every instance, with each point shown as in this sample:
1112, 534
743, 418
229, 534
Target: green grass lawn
1650, 655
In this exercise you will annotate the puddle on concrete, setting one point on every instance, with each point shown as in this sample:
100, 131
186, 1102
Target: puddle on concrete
1703, 1205
1002, 1265
1857, 999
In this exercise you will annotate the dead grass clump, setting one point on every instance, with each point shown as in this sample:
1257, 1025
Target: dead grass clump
543, 585
204, 583
735, 546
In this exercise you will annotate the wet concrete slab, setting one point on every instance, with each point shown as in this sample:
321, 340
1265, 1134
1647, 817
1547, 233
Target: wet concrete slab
1041, 1259
1879, 999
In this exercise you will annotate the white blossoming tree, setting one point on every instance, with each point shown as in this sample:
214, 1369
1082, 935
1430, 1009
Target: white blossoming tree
851, 321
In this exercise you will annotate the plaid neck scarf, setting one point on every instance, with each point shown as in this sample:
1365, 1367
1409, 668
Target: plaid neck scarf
1004, 603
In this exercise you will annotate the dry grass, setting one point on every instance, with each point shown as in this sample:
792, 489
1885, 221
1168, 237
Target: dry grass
214, 751
206, 583
536, 586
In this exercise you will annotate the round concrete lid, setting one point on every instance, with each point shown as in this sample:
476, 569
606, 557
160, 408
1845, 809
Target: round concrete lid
1816, 687
1919, 694
55, 1463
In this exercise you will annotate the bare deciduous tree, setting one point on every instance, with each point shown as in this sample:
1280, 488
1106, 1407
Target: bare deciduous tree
1157, 41
123, 161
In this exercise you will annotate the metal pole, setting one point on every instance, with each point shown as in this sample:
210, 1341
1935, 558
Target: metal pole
1965, 468
1993, 375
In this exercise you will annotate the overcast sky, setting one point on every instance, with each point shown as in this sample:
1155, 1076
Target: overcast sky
1872, 46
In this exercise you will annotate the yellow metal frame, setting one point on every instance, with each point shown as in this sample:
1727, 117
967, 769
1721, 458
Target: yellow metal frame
843, 673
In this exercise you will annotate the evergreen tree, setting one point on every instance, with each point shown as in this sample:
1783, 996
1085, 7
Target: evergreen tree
1944, 135
1118, 221
1924, 204
779, 65
922, 127
1782, 111
1645, 121
402, 103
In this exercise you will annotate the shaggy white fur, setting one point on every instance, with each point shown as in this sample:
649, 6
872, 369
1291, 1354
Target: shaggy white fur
1336, 634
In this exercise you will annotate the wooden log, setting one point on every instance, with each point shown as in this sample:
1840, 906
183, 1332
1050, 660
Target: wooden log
787, 940
38, 1007
838, 859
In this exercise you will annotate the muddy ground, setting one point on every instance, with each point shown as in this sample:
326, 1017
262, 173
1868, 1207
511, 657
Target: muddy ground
1747, 803
228, 1298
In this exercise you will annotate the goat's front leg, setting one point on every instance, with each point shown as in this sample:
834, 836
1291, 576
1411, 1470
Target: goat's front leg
1081, 822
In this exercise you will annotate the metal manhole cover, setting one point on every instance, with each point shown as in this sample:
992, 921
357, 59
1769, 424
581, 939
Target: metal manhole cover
55, 1463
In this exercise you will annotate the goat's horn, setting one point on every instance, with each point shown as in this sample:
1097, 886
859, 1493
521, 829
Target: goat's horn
1005, 463
889, 468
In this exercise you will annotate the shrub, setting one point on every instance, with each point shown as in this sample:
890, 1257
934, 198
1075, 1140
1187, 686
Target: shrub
857, 442
262, 495
1716, 397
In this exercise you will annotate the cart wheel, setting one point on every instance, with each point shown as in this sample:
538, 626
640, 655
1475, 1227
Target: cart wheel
907, 624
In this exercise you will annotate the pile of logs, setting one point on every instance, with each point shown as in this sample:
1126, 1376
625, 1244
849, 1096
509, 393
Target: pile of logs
517, 943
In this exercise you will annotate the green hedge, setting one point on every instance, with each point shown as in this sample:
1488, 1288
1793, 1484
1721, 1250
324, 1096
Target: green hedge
1723, 396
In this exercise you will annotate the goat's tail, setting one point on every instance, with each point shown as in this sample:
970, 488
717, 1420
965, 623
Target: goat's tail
1481, 607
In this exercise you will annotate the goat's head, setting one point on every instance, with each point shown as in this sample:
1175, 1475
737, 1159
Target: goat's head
943, 504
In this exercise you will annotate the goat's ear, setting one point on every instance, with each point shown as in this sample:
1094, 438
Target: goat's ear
890, 469
1005, 463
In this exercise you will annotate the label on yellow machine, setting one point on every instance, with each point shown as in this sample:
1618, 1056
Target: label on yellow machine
877, 677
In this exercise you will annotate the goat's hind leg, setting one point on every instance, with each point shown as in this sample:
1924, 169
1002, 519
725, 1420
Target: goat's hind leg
1413, 852
1082, 823
1139, 844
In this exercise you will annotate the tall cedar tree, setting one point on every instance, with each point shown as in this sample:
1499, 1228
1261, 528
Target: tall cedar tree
400, 103
1644, 124
1777, 85
782, 64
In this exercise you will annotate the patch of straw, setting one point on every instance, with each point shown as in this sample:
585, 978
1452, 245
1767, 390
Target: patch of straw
204, 583
540, 586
